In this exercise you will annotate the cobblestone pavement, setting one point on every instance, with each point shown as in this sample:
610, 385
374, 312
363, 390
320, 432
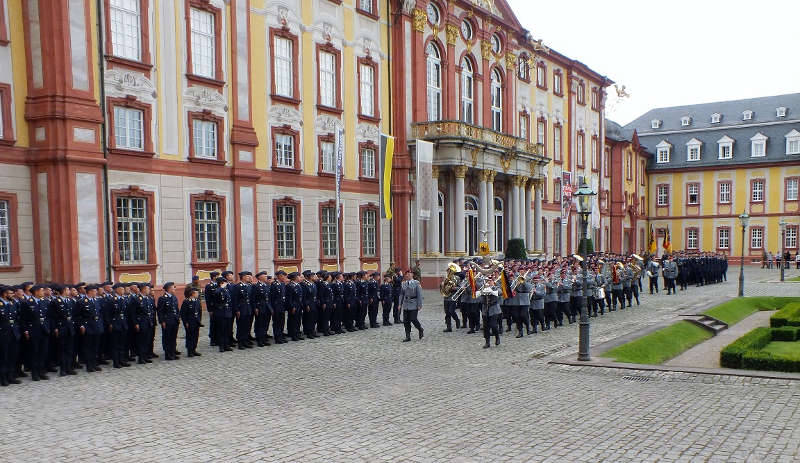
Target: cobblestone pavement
368, 397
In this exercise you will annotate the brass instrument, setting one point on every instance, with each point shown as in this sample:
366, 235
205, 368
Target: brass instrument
614, 274
520, 279
637, 271
460, 290
450, 282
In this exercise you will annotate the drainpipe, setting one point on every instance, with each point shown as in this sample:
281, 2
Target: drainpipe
103, 141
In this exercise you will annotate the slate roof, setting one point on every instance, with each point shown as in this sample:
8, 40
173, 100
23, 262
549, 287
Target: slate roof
764, 121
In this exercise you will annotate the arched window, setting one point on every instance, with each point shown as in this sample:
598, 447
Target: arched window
497, 101
498, 224
440, 217
523, 69
471, 224
434, 68
467, 91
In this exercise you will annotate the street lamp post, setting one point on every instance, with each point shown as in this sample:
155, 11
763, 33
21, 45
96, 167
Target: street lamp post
584, 195
744, 219
783, 224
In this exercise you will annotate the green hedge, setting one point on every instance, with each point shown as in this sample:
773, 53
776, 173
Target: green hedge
761, 360
585, 247
789, 315
785, 333
516, 249
731, 356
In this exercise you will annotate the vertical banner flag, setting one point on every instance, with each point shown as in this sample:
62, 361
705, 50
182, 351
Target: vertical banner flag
651, 245
566, 197
338, 148
667, 243
385, 175
424, 190
595, 205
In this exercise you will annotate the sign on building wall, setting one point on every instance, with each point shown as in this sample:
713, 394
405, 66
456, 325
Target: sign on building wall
566, 197
424, 191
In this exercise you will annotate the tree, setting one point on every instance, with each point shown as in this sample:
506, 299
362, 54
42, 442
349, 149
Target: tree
516, 249
585, 247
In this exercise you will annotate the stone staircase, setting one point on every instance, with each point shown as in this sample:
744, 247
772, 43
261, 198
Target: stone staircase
709, 323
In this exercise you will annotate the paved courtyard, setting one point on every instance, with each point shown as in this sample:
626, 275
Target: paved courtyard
368, 397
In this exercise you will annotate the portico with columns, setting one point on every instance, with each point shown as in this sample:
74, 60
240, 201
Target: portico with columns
484, 183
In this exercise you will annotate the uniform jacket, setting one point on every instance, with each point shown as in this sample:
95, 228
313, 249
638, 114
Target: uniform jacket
324, 294
191, 311
223, 306
91, 314
294, 296
552, 291
277, 297
259, 296
386, 293
309, 295
338, 292
522, 294
34, 315
61, 309
490, 301
9, 320
411, 295
538, 293
362, 293
240, 294
143, 315
349, 292
564, 290
577, 286
210, 296
372, 291
117, 313
168, 310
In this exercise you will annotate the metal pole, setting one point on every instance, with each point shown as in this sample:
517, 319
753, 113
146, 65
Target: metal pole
583, 327
741, 269
783, 250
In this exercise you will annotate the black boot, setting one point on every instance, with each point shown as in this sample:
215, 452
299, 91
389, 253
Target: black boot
487, 345
458, 324
421, 331
497, 340
408, 336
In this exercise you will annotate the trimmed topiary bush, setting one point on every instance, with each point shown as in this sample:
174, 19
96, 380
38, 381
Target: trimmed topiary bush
731, 356
785, 333
516, 249
761, 360
789, 315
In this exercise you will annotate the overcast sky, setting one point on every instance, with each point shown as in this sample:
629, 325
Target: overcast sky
674, 52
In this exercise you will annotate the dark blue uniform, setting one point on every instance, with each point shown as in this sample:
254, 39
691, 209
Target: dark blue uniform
309, 308
338, 306
61, 310
240, 294
168, 315
362, 294
191, 315
259, 295
91, 315
387, 298
294, 296
350, 304
325, 307
34, 314
142, 314
211, 299
10, 336
222, 316
117, 320
278, 302
372, 301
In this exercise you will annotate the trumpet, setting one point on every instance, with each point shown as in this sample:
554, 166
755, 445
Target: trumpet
460, 290
520, 279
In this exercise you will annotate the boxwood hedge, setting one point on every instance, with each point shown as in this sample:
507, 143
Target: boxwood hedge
731, 356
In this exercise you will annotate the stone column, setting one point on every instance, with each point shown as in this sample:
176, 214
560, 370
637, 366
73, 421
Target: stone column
537, 215
450, 209
490, 207
458, 201
483, 202
433, 222
514, 211
528, 215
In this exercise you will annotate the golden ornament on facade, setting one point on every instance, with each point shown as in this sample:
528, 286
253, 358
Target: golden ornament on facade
486, 49
460, 171
420, 18
452, 34
505, 162
511, 61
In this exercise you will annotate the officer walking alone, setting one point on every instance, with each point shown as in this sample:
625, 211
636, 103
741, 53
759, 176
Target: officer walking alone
411, 303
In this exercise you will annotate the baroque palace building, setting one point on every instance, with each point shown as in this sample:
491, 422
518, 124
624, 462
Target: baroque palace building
181, 137
510, 118
711, 162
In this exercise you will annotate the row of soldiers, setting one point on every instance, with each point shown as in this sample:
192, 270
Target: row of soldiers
536, 294
66, 326
58, 327
686, 268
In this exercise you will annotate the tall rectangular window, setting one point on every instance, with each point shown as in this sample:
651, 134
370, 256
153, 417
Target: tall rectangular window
693, 194
557, 142
365, 5
327, 158
757, 148
541, 133
692, 238
369, 233
725, 193
286, 223
205, 139
128, 128
368, 162
523, 126
132, 230
467, 95
206, 230
580, 149
284, 57
758, 191
724, 238
329, 230
126, 34
791, 189
327, 79
595, 154
662, 195
791, 237
367, 88
756, 238
203, 43
284, 150
5, 233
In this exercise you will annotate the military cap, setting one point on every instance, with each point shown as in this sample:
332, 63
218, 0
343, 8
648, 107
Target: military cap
91, 287
4, 288
221, 280
335, 274
361, 273
26, 284
213, 275
307, 273
168, 285
142, 285
261, 273
35, 288
58, 287
376, 274
279, 273
244, 273
118, 285
226, 273
105, 283
195, 278
322, 274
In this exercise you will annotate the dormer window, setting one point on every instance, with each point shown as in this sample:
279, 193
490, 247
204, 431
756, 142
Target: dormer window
655, 123
793, 142
693, 149
747, 115
686, 121
780, 111
758, 145
662, 153
715, 118
725, 147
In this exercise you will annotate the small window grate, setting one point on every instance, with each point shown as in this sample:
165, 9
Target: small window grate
638, 379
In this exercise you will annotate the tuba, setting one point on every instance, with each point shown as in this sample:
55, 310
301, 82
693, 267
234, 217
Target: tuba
450, 281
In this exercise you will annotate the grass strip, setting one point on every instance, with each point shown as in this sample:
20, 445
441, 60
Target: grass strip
660, 346
736, 310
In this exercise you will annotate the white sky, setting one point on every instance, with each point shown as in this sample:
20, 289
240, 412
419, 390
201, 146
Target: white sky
674, 52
